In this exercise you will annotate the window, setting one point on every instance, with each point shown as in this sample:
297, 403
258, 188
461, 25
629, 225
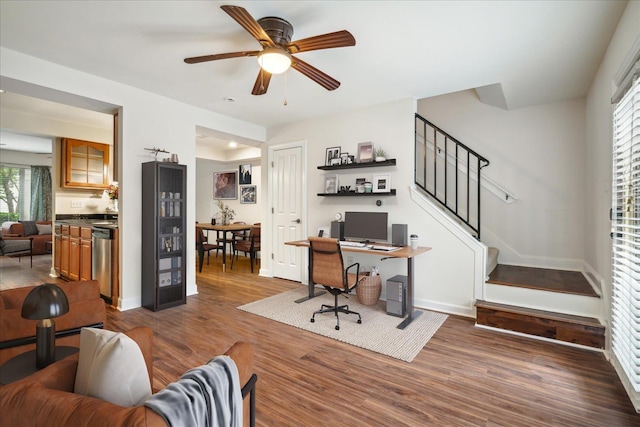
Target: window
15, 192
625, 280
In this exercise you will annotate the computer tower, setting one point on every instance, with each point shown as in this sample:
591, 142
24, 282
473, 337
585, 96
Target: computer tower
337, 230
399, 235
397, 296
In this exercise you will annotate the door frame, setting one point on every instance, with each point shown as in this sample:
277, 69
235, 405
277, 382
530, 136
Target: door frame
268, 213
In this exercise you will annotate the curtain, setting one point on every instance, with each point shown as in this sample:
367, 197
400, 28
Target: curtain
41, 193
625, 280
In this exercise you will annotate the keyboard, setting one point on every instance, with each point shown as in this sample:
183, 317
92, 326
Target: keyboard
383, 248
352, 244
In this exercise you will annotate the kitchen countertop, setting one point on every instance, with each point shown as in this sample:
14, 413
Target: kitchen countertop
90, 221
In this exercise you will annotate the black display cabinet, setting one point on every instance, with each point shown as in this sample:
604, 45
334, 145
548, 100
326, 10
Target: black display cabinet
164, 254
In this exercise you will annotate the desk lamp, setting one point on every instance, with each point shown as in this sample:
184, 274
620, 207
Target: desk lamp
44, 303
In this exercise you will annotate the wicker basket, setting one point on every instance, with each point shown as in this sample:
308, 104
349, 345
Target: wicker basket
369, 289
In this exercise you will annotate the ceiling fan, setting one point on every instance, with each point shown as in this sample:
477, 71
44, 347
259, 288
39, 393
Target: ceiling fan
276, 56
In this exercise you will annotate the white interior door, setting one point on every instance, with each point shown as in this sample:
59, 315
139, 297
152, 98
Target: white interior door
287, 178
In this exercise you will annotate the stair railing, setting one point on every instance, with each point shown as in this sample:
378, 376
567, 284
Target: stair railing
445, 168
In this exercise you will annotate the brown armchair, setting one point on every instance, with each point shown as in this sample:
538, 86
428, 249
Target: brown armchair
47, 398
327, 269
250, 245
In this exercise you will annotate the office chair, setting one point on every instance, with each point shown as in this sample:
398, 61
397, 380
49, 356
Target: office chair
250, 245
327, 269
203, 246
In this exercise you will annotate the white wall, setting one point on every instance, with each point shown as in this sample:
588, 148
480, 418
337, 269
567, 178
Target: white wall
205, 204
444, 276
538, 154
146, 121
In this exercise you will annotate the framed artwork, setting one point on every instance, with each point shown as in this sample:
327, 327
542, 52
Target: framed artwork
225, 185
248, 194
331, 184
345, 158
381, 183
245, 174
332, 156
365, 152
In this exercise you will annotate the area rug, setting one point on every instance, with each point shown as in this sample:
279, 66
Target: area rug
378, 331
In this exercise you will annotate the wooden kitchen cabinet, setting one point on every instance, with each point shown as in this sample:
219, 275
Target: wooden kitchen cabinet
85, 164
75, 252
85, 253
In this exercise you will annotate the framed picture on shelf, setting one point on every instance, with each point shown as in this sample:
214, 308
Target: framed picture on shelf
332, 156
331, 184
345, 159
365, 152
225, 185
245, 174
381, 183
248, 194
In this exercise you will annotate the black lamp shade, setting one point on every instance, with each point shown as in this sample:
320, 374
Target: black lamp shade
45, 302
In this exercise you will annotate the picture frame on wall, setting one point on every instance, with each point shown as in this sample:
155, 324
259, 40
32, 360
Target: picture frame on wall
244, 172
331, 184
332, 156
225, 185
365, 152
381, 183
248, 194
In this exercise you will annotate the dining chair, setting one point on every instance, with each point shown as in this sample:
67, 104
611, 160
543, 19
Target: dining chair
232, 236
251, 246
327, 269
202, 246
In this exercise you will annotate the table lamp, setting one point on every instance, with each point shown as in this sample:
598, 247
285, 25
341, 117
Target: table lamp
44, 303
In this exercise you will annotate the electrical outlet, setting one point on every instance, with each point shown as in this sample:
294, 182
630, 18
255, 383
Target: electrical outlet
349, 260
77, 204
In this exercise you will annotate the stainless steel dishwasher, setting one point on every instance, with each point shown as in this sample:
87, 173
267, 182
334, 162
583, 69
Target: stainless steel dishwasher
102, 239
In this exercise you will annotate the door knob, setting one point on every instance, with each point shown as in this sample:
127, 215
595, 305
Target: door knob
297, 221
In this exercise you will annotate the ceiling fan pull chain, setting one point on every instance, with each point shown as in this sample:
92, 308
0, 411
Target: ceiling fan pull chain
286, 73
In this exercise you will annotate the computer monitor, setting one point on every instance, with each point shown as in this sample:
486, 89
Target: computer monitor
365, 226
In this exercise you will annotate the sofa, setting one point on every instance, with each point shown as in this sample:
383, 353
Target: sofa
47, 398
40, 231
17, 335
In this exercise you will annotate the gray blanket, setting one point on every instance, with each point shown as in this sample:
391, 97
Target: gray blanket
206, 396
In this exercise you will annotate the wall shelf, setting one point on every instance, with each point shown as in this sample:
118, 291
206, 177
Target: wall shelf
354, 194
389, 162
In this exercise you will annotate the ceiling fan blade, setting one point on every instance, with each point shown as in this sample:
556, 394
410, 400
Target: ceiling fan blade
262, 83
314, 74
325, 41
242, 17
205, 58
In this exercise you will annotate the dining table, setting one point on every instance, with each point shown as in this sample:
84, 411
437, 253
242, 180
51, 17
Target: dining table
224, 229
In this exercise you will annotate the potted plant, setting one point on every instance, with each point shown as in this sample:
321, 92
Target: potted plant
381, 155
226, 213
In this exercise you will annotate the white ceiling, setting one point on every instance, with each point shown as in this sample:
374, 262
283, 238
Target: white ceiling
534, 51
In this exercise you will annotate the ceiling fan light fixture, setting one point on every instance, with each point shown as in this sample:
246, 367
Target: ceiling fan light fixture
274, 60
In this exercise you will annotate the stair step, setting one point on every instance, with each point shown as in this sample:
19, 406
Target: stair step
581, 330
569, 282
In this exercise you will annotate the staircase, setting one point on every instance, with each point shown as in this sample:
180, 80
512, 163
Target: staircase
529, 292
551, 304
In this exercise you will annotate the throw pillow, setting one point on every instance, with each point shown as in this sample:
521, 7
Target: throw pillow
29, 228
111, 367
44, 228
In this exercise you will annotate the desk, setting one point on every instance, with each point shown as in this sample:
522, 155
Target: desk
24, 364
403, 252
224, 229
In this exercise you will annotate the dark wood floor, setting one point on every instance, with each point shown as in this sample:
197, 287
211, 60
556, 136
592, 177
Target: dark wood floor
570, 282
464, 376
